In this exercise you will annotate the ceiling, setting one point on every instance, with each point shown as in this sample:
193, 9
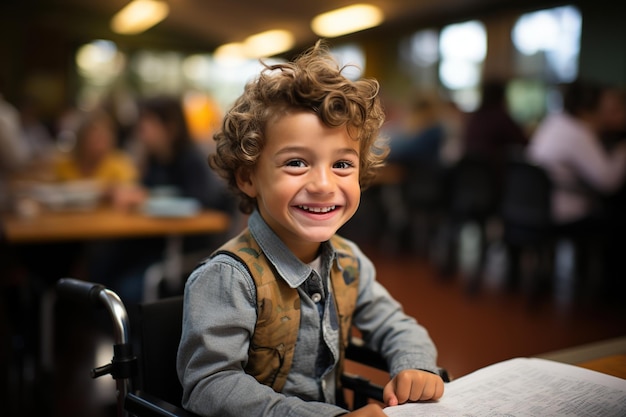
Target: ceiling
207, 24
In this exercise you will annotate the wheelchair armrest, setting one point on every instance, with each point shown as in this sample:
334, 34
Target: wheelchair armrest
362, 388
142, 404
358, 352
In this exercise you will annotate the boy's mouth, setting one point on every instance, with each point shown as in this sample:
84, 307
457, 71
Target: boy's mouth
317, 210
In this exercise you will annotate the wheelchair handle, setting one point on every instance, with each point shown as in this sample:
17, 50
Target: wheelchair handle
98, 295
82, 291
122, 367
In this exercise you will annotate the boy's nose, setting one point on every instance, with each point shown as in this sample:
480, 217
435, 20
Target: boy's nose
321, 181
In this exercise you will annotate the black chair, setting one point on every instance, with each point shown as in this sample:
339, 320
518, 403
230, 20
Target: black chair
148, 385
159, 326
526, 213
424, 195
471, 197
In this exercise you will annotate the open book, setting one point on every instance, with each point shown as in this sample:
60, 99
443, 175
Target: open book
525, 387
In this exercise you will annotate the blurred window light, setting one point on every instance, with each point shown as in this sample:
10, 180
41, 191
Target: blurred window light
553, 34
352, 57
99, 61
269, 43
457, 73
347, 20
158, 72
196, 68
424, 47
418, 57
138, 16
466, 41
463, 47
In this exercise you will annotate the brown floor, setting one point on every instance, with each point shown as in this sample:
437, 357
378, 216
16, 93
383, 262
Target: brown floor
470, 329
475, 328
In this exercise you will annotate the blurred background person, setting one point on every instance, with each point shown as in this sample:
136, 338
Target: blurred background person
170, 165
490, 133
568, 145
419, 135
168, 158
95, 155
35, 134
13, 153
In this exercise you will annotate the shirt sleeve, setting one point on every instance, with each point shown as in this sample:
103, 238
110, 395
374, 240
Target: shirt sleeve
218, 320
603, 171
386, 329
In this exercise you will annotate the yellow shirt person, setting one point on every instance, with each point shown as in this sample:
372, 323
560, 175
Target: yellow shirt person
95, 157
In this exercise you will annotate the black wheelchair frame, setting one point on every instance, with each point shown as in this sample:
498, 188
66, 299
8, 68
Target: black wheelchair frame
123, 367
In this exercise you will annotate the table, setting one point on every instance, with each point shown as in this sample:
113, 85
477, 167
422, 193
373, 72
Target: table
53, 227
607, 356
105, 222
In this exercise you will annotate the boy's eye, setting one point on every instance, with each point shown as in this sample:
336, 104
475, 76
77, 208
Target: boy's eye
295, 163
343, 164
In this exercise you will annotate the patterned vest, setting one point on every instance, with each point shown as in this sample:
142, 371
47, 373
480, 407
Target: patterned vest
278, 308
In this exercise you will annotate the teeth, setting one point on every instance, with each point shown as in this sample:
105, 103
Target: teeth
317, 209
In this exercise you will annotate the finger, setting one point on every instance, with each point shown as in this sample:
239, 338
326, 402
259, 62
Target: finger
428, 391
439, 390
403, 387
389, 396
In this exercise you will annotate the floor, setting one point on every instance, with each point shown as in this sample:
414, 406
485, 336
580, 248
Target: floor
472, 326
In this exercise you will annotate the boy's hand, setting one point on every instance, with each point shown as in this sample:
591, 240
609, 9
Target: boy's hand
370, 410
412, 385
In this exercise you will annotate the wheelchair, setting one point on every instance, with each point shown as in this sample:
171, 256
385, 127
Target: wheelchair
144, 368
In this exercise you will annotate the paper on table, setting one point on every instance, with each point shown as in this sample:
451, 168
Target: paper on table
526, 387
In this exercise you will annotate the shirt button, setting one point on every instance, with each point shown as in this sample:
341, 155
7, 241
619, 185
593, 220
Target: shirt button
316, 297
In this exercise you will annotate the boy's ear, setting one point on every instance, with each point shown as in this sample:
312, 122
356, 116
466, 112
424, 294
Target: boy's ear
245, 183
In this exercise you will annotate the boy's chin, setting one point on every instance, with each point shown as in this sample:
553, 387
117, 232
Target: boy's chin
321, 237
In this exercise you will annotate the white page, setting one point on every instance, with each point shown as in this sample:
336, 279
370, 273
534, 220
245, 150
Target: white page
526, 387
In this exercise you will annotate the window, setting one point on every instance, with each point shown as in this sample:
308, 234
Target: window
98, 63
548, 44
463, 47
419, 56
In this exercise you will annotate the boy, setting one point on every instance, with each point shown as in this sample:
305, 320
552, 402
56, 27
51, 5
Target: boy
267, 318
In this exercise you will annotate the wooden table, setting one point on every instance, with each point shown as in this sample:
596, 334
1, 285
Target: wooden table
51, 226
606, 356
60, 226
611, 365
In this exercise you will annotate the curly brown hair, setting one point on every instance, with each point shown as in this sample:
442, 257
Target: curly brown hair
312, 82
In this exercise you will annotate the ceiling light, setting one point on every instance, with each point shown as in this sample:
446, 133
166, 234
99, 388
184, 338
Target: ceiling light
139, 15
230, 53
268, 43
346, 20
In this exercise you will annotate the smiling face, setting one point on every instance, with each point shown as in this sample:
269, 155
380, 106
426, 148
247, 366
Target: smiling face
305, 182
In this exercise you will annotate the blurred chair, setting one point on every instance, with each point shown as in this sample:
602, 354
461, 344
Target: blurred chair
527, 219
471, 200
424, 196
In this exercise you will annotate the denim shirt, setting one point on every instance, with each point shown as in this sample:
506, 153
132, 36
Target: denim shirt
219, 319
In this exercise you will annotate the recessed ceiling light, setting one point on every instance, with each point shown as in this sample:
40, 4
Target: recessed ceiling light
139, 15
347, 20
269, 43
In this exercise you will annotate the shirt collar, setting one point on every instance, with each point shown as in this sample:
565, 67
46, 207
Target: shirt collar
289, 267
